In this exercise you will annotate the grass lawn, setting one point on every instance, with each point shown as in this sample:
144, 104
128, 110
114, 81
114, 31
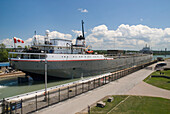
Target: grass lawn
134, 105
159, 81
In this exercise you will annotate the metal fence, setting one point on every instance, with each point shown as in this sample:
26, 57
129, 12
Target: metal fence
57, 95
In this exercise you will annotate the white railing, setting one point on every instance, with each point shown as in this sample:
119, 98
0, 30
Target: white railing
26, 55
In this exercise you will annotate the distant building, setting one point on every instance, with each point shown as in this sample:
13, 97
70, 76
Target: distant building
3, 66
146, 50
115, 52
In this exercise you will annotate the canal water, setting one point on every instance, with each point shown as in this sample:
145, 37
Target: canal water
10, 86
163, 56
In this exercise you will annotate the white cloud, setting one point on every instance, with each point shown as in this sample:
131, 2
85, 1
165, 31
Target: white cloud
40, 38
83, 10
128, 37
141, 19
124, 37
8, 42
78, 33
56, 34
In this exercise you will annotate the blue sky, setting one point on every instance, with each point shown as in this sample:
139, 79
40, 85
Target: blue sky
21, 18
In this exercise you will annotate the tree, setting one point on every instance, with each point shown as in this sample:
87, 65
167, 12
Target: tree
2, 46
26, 47
19, 46
3, 53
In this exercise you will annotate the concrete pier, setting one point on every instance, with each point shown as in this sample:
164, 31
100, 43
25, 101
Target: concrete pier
13, 74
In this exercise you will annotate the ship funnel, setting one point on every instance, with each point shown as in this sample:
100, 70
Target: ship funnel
80, 41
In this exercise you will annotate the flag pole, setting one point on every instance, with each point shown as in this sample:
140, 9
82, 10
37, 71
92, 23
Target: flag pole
14, 43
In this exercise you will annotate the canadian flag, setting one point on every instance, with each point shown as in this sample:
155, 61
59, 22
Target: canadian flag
18, 40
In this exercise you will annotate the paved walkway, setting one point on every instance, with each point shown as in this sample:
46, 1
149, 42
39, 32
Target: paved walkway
145, 89
119, 87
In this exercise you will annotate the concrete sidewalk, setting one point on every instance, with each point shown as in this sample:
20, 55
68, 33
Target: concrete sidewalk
119, 87
145, 89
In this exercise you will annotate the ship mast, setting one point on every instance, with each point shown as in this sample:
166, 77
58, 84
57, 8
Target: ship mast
82, 28
35, 39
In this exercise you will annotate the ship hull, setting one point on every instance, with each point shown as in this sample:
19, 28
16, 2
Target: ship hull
76, 69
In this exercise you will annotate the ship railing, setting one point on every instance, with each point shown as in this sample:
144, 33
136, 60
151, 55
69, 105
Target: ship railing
26, 55
125, 55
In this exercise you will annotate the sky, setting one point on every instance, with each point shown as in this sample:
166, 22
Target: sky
109, 24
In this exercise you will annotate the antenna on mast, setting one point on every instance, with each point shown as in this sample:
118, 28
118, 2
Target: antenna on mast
82, 28
35, 40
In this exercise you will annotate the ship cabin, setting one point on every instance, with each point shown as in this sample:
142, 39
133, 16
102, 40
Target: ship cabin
61, 46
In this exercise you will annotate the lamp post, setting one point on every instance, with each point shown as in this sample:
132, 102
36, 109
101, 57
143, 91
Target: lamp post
46, 43
45, 77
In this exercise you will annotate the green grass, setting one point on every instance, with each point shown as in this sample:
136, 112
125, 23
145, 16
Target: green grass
160, 82
108, 106
166, 72
135, 105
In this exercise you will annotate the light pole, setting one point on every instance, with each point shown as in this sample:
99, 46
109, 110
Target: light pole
46, 43
45, 77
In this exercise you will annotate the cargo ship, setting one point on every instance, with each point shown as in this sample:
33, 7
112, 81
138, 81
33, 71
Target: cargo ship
65, 60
